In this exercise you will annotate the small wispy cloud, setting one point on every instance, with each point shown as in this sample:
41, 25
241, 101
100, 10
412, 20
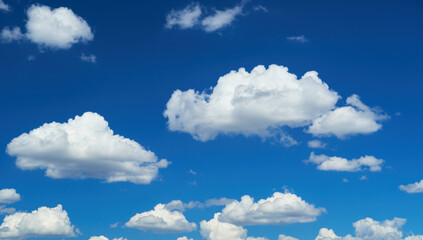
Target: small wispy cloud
4, 7
301, 39
185, 18
88, 58
260, 8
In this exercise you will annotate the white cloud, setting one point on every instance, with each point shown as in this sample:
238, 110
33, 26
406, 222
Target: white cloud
217, 230
369, 229
284, 237
260, 8
256, 238
88, 58
105, 238
301, 39
58, 28
85, 147
416, 187
44, 222
349, 120
281, 208
221, 18
253, 103
4, 6
184, 238
185, 18
326, 163
161, 220
9, 195
316, 144
9, 34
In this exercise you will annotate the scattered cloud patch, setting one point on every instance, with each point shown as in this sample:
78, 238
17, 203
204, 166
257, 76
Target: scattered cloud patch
316, 144
221, 18
88, 58
4, 7
85, 147
260, 8
326, 163
364, 177
416, 187
192, 17
369, 229
301, 39
345, 180
284, 237
58, 28
9, 195
9, 34
180, 206
105, 238
357, 118
161, 220
6, 210
184, 238
280, 209
185, 18
44, 222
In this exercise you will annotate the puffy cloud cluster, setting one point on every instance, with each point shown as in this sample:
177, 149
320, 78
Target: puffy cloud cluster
58, 28
161, 220
263, 101
326, 163
281, 208
369, 229
44, 222
85, 147
105, 238
9, 195
416, 187
189, 17
357, 118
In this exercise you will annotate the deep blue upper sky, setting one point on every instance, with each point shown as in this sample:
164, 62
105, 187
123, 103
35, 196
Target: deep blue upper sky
370, 48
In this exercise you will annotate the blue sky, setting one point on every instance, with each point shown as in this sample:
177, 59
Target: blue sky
134, 62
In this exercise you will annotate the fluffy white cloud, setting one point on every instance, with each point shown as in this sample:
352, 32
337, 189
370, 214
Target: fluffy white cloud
253, 103
416, 187
301, 39
88, 58
4, 6
84, 147
58, 28
316, 144
326, 163
105, 238
221, 18
9, 34
349, 120
184, 238
44, 222
161, 220
281, 208
185, 18
217, 230
284, 237
9, 195
369, 229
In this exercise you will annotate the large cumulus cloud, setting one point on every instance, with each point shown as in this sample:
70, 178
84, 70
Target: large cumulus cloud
85, 147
